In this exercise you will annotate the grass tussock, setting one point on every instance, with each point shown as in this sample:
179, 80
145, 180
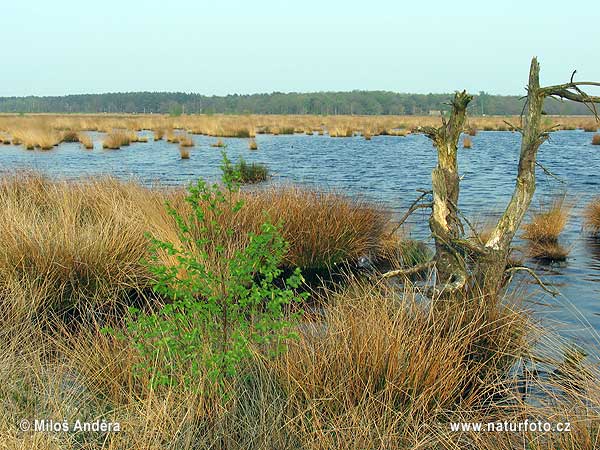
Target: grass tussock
590, 128
69, 243
249, 173
86, 141
592, 215
218, 144
185, 140
547, 222
184, 151
159, 133
596, 139
543, 230
467, 143
247, 126
374, 366
119, 138
252, 145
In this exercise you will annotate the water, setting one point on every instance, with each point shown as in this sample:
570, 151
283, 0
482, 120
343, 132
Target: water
387, 170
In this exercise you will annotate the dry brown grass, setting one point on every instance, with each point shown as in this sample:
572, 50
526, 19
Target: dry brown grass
467, 143
374, 367
218, 144
547, 222
118, 138
592, 216
185, 140
184, 151
86, 140
68, 241
596, 139
547, 251
247, 126
252, 145
159, 133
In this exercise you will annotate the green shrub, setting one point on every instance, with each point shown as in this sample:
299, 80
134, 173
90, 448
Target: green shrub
223, 300
249, 172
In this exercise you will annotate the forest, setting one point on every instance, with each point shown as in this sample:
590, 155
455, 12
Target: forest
319, 103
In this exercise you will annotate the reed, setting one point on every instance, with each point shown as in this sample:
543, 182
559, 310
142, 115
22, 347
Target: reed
184, 151
117, 139
249, 173
252, 145
218, 144
590, 128
592, 215
185, 140
86, 141
70, 136
373, 366
547, 222
547, 251
467, 143
159, 134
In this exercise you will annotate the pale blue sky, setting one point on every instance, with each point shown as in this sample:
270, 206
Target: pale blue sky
232, 46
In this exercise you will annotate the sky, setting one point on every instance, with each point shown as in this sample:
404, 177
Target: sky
223, 47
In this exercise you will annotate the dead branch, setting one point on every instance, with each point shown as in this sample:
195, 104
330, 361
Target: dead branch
512, 270
550, 174
410, 271
413, 207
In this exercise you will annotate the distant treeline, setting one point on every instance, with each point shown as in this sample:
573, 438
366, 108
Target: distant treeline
355, 102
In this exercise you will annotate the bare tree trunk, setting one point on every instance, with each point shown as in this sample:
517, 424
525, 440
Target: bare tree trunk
444, 222
486, 269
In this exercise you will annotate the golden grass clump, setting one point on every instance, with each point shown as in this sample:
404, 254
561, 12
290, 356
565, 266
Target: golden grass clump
218, 144
159, 133
322, 228
69, 242
86, 240
86, 140
117, 139
185, 140
547, 223
43, 138
590, 128
252, 145
596, 139
543, 230
547, 251
467, 143
70, 136
592, 215
184, 151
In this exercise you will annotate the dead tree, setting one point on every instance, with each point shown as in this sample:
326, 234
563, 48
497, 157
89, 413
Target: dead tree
461, 263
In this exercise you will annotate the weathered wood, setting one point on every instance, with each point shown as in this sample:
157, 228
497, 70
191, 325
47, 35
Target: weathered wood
459, 262
444, 221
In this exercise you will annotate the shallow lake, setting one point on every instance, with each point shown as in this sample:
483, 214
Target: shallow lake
387, 170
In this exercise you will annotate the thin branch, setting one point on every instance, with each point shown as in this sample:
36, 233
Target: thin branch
413, 207
410, 271
473, 229
511, 270
550, 174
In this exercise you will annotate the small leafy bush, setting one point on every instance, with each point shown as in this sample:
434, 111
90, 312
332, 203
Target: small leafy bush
223, 300
249, 172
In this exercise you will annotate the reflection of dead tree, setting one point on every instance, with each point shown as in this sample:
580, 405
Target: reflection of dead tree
461, 263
